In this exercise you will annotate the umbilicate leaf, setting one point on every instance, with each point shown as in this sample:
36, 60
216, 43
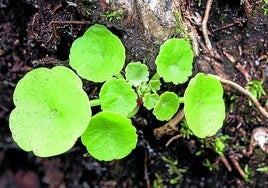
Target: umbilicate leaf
109, 136
174, 61
52, 111
166, 106
149, 100
136, 73
97, 55
154, 85
118, 96
204, 106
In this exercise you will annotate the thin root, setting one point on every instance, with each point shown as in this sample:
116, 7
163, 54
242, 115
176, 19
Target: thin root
245, 92
204, 25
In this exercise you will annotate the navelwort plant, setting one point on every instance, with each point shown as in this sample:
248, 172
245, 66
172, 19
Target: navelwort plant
53, 111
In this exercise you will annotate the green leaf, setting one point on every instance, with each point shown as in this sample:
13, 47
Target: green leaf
118, 96
155, 85
204, 106
97, 55
109, 136
136, 73
166, 106
174, 61
52, 111
149, 100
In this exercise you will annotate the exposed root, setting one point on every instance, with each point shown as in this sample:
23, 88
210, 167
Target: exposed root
173, 138
170, 127
245, 92
204, 25
237, 166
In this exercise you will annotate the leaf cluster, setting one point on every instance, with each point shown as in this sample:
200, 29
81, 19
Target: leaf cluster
53, 111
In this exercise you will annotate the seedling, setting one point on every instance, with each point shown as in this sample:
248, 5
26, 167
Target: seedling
256, 89
117, 15
52, 110
265, 7
219, 144
263, 169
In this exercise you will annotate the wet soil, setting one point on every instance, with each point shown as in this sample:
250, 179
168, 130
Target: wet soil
36, 33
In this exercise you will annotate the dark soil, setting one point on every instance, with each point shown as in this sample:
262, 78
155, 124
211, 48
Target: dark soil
36, 33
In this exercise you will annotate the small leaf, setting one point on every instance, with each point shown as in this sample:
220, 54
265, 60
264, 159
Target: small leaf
136, 73
155, 85
149, 100
118, 96
166, 106
97, 55
204, 106
174, 61
52, 111
109, 136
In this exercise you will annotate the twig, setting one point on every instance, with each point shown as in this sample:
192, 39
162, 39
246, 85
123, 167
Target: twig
245, 92
204, 25
170, 127
57, 22
146, 176
226, 163
237, 166
173, 138
68, 22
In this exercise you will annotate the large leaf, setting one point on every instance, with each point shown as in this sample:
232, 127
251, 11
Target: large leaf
118, 96
97, 55
174, 61
204, 106
52, 111
109, 136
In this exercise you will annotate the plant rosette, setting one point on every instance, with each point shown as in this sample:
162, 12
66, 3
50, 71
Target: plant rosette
52, 111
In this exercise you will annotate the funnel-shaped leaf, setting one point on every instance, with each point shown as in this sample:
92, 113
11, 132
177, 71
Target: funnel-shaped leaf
204, 106
118, 96
109, 136
174, 61
97, 55
52, 111
166, 106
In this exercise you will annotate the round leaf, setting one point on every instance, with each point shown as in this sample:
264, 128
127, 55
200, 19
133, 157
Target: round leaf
136, 73
118, 96
109, 136
149, 100
204, 106
166, 106
97, 55
52, 111
174, 61
155, 85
